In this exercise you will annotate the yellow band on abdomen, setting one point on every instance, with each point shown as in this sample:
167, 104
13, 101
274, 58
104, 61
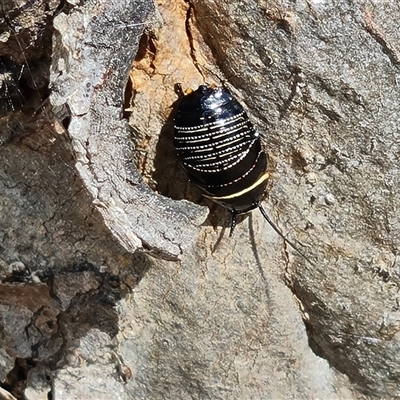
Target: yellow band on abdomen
242, 192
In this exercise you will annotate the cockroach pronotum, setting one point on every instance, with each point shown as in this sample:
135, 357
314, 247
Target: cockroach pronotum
221, 151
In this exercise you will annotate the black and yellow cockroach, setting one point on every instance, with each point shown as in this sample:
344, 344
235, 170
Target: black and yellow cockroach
221, 151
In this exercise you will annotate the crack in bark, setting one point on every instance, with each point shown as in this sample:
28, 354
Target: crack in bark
372, 30
297, 79
189, 34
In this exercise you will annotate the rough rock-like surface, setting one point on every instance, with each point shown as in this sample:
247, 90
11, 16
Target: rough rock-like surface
86, 313
91, 84
320, 81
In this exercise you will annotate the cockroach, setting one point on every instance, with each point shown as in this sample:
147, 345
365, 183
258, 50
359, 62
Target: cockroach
221, 151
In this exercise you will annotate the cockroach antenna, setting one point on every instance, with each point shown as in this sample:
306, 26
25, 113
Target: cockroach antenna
279, 232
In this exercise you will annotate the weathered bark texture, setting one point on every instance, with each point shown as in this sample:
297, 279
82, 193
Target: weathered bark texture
109, 286
92, 82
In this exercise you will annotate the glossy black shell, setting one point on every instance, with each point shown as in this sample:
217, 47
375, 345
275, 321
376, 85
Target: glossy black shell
220, 149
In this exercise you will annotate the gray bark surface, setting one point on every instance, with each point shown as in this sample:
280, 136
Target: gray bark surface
114, 286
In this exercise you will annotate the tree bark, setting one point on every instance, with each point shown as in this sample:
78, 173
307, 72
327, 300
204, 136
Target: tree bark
116, 284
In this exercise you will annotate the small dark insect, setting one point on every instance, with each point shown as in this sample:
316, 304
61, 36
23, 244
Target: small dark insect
221, 151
